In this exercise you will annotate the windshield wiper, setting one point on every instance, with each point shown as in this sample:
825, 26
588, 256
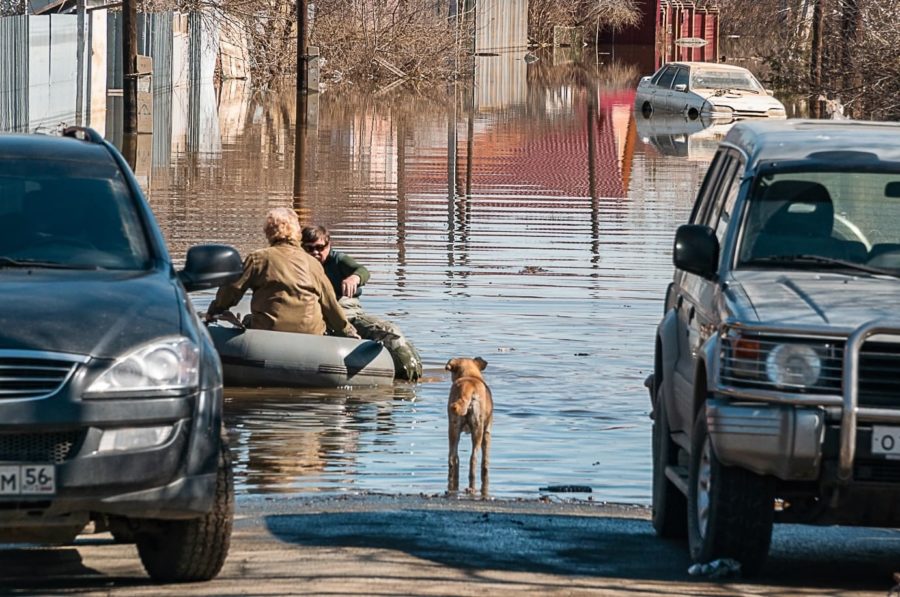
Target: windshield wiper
9, 262
819, 259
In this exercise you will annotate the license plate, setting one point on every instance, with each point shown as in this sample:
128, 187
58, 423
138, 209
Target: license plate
27, 479
886, 440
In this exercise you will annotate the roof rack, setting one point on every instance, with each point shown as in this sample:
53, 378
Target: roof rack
84, 133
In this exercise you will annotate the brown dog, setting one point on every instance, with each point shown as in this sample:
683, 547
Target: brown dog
470, 409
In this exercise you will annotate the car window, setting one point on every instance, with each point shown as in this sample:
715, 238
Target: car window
725, 79
731, 185
70, 214
665, 81
659, 74
853, 216
682, 77
705, 196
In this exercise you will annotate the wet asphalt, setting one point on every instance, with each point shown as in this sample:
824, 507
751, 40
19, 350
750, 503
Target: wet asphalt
413, 545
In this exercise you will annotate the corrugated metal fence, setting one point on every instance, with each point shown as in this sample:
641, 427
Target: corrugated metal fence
501, 25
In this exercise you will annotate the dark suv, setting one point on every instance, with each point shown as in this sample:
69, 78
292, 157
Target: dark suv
110, 388
776, 385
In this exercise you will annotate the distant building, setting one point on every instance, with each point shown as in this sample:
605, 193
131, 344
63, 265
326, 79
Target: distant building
676, 29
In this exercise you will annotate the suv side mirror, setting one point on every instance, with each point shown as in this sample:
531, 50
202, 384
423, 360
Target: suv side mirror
681, 87
696, 250
210, 266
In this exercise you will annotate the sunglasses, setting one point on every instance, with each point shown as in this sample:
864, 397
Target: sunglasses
315, 248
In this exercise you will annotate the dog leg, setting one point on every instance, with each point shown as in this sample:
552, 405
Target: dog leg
477, 435
453, 458
485, 459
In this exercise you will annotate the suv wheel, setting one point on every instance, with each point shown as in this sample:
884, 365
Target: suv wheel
193, 550
669, 504
730, 510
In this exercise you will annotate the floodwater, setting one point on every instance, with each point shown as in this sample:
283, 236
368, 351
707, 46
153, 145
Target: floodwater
527, 219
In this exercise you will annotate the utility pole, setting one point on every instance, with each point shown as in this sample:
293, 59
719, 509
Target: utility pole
302, 18
301, 117
129, 65
816, 59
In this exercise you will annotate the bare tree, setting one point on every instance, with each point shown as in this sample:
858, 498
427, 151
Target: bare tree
593, 15
842, 51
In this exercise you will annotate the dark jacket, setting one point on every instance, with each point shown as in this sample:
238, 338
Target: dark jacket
339, 266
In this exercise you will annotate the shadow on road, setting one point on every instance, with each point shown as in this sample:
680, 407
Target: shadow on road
831, 560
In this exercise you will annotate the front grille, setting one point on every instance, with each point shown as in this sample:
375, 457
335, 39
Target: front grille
40, 447
879, 375
744, 365
31, 377
877, 471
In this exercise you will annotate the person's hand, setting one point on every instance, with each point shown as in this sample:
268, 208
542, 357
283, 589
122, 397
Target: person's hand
351, 332
350, 285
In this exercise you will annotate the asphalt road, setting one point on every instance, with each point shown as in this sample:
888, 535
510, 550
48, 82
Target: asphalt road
383, 545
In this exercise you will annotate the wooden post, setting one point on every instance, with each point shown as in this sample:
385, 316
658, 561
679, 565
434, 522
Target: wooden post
301, 116
302, 18
129, 65
816, 56
79, 64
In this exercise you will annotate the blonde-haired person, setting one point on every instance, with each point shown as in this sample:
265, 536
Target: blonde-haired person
290, 291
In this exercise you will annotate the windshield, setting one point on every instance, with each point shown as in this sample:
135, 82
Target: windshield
725, 79
68, 215
824, 220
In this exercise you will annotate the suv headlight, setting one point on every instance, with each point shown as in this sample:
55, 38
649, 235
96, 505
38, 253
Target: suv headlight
165, 365
793, 365
780, 363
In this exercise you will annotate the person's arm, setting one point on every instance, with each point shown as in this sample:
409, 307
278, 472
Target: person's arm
229, 295
353, 275
332, 311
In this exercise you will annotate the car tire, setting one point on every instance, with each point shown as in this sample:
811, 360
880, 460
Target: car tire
731, 510
195, 549
669, 513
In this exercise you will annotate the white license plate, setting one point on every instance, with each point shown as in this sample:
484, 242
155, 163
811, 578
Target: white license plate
27, 479
886, 440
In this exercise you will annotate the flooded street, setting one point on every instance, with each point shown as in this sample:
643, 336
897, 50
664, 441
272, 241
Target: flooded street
527, 220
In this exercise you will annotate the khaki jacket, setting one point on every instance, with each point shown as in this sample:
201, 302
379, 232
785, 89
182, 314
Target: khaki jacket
290, 293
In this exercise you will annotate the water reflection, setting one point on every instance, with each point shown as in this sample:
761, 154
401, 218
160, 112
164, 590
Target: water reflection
533, 229
680, 136
520, 218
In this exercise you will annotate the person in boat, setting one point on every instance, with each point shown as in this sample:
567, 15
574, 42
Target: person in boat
290, 291
347, 278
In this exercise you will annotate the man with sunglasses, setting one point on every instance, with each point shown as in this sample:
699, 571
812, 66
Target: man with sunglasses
347, 277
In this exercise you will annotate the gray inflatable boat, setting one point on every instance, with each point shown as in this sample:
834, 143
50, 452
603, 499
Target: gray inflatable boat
262, 358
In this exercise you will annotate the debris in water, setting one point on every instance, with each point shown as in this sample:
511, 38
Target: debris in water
567, 489
720, 568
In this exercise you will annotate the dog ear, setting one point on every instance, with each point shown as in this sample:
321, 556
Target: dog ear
482, 364
451, 365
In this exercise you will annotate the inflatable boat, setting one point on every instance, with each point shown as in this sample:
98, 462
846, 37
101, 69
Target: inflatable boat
263, 358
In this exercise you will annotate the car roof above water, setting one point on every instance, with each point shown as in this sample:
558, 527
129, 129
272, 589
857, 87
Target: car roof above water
795, 139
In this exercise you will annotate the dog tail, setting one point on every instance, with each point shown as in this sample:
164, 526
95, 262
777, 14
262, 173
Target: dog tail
461, 407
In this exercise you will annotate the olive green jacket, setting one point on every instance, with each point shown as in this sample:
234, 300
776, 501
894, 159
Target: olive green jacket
290, 293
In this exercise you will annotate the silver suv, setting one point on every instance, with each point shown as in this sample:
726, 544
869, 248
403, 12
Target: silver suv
776, 384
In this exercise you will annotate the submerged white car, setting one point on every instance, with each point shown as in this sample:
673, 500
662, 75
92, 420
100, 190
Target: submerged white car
706, 89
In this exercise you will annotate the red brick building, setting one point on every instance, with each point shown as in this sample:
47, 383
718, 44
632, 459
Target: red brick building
676, 29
